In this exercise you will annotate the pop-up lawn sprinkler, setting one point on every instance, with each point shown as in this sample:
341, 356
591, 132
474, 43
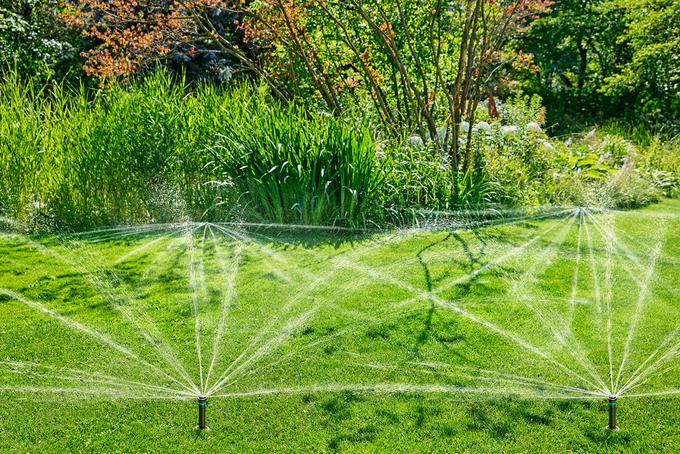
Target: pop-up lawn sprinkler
581, 215
202, 406
612, 413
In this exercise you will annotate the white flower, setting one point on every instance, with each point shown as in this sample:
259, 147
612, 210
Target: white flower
533, 127
483, 126
509, 130
548, 146
568, 142
464, 126
591, 135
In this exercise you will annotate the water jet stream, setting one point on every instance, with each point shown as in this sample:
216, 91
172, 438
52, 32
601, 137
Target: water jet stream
641, 372
582, 358
292, 314
530, 380
400, 388
489, 325
194, 283
227, 299
638, 309
265, 348
100, 393
574, 285
594, 275
626, 251
522, 288
349, 329
243, 238
608, 303
20, 367
513, 252
286, 307
643, 284
126, 385
126, 229
498, 378
666, 393
141, 248
96, 335
155, 339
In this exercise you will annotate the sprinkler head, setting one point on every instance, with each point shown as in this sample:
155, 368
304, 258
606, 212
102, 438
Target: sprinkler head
612, 413
581, 215
202, 406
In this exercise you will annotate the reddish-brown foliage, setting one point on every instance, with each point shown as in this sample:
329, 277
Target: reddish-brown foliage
131, 33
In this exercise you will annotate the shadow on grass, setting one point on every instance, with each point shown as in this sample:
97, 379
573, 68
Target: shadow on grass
496, 419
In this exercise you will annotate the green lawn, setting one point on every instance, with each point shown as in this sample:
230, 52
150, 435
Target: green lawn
505, 337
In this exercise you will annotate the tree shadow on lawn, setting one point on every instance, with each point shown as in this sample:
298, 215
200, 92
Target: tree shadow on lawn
497, 419
310, 238
475, 261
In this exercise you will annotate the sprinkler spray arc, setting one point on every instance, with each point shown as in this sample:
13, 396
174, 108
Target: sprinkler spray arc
612, 414
202, 406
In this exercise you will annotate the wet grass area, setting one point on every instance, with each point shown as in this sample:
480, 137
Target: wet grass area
490, 337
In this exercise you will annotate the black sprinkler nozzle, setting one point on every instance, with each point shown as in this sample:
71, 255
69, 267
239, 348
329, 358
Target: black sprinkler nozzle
612, 413
202, 406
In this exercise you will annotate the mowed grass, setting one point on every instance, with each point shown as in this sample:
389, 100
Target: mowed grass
487, 339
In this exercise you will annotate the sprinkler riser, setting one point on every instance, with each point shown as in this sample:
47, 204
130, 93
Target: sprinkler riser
202, 406
612, 413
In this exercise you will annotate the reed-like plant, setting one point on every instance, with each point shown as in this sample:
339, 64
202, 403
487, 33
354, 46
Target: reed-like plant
294, 168
73, 159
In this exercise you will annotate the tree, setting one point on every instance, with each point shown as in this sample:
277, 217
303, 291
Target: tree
574, 48
651, 74
130, 36
597, 59
423, 64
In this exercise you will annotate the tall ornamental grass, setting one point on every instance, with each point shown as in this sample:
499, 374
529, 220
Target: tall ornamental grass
158, 151
71, 158
290, 167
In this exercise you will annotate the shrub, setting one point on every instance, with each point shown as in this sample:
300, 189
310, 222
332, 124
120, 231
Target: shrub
628, 189
420, 177
518, 164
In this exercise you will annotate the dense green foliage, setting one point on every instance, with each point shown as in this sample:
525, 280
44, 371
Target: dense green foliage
603, 59
372, 113
294, 169
158, 151
651, 77
75, 159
